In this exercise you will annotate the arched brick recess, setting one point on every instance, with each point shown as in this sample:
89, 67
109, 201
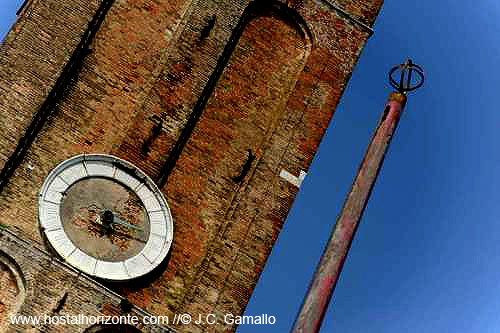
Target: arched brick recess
12, 290
112, 329
242, 113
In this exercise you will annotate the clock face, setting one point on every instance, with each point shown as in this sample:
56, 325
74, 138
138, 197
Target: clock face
105, 217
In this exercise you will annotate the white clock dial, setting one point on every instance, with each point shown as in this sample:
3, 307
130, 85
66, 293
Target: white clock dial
105, 217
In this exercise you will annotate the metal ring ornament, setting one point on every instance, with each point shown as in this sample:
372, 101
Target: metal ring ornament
410, 68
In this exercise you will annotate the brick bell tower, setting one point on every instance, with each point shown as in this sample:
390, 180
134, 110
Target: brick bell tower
150, 150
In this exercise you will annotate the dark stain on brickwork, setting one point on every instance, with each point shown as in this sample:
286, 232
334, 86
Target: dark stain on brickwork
61, 303
207, 28
155, 132
125, 305
246, 167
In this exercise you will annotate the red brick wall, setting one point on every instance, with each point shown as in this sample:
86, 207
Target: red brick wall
99, 106
32, 56
233, 77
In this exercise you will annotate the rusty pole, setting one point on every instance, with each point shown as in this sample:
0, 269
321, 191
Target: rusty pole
328, 271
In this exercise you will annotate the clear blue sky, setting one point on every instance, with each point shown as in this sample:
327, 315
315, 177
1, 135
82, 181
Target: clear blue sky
426, 257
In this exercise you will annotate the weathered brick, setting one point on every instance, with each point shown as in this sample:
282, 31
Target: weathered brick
185, 88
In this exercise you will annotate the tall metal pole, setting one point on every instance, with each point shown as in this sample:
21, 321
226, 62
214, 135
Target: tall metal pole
328, 271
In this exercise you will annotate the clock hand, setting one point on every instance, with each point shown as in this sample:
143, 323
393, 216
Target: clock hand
117, 220
127, 235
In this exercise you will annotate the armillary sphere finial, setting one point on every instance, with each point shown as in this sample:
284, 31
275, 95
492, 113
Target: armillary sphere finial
405, 83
